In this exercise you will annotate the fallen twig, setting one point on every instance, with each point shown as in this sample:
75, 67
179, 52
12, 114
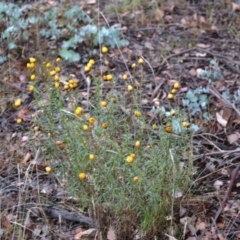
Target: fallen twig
230, 186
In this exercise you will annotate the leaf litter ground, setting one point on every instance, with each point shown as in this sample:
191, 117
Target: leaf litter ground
179, 43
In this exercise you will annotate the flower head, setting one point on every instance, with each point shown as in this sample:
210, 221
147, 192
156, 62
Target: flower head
91, 120
82, 175
104, 50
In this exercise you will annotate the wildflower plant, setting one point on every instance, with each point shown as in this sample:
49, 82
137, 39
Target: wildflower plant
111, 155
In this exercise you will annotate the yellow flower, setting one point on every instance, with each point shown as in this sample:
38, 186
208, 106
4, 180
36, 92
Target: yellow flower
91, 157
133, 65
137, 114
91, 61
136, 179
130, 88
48, 169
176, 85
85, 127
129, 159
66, 87
172, 112
58, 143
140, 61
185, 124
104, 125
104, 50
87, 69
30, 65
48, 65
56, 84
78, 111
30, 88
82, 176
33, 77
173, 91
58, 59
104, 77
109, 77
32, 60
57, 69
170, 96
19, 121
18, 102
133, 155
73, 85
52, 73
168, 128
103, 104
137, 144
56, 78
154, 126
36, 128
125, 77
91, 120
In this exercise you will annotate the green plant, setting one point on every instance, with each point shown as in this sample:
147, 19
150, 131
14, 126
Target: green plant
111, 161
197, 102
212, 73
72, 27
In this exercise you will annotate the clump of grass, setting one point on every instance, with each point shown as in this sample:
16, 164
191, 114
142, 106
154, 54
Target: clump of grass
125, 172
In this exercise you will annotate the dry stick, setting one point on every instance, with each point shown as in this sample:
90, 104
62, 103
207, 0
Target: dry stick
216, 153
223, 59
230, 186
177, 54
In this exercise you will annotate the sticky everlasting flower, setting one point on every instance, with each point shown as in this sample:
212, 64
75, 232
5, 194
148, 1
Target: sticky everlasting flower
137, 144
185, 124
91, 61
82, 176
129, 159
109, 77
91, 120
130, 88
32, 60
56, 78
140, 61
48, 65
56, 84
104, 50
91, 157
125, 77
57, 69
30, 65
170, 96
176, 85
52, 73
104, 125
87, 69
48, 169
30, 88
136, 179
133, 65
18, 102
137, 114
33, 77
36, 128
103, 104
168, 128
78, 111
19, 121
58, 59
85, 127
